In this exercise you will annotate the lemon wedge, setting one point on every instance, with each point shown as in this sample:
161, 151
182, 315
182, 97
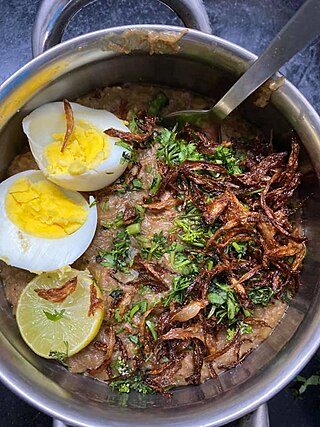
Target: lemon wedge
60, 312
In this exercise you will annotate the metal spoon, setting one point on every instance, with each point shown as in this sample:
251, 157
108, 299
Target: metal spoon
302, 28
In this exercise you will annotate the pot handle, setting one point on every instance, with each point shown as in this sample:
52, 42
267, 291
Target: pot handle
53, 16
258, 418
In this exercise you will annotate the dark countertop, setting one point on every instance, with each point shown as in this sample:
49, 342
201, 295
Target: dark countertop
249, 23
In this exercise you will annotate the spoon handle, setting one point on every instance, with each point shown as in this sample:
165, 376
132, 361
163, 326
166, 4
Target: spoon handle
302, 28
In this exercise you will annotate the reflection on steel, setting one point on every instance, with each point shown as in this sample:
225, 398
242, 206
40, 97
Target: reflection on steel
53, 17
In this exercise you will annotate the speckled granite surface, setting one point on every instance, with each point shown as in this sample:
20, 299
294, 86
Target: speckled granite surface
249, 23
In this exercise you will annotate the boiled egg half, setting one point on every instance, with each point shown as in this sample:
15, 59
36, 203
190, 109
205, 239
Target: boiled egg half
90, 160
43, 227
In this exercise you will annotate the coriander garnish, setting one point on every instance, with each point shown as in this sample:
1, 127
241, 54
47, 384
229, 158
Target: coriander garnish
55, 316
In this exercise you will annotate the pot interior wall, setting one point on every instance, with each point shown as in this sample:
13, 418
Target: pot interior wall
168, 70
207, 80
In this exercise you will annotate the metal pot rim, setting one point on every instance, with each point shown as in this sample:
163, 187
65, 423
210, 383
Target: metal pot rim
309, 338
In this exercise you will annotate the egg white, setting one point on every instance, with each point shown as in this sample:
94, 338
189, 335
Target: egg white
21, 249
42, 123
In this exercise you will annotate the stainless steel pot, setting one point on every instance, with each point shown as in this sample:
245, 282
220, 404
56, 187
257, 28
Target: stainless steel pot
208, 65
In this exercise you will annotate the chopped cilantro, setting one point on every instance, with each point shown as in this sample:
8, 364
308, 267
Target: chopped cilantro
143, 306
134, 339
155, 184
119, 220
104, 206
131, 156
125, 385
134, 310
140, 306
93, 203
195, 231
133, 123
140, 210
260, 295
158, 103
225, 156
117, 316
137, 184
116, 293
134, 228
217, 298
154, 248
210, 264
290, 259
286, 296
251, 193
122, 386
60, 356
224, 300
245, 328
152, 329
180, 261
144, 290
123, 144
117, 257
134, 156
174, 151
240, 248
55, 316
185, 262
121, 366
179, 286
230, 332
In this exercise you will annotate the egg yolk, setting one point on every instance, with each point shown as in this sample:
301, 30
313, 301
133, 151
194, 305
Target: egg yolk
86, 148
42, 209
